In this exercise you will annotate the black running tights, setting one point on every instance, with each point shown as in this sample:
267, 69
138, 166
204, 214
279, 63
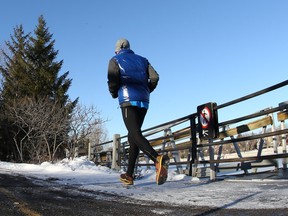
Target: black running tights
133, 118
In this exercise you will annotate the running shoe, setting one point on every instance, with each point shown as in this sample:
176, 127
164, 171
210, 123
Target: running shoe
162, 164
127, 180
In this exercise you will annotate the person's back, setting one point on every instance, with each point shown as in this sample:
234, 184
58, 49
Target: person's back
133, 77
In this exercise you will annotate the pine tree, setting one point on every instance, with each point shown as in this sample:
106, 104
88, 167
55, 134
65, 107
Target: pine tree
45, 69
15, 70
31, 71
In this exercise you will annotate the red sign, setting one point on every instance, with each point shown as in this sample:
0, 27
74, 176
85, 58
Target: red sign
207, 121
205, 117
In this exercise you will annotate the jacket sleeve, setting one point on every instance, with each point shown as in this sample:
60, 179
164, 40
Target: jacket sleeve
153, 78
113, 78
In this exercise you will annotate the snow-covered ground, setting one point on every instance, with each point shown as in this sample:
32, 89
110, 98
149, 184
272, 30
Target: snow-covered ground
232, 192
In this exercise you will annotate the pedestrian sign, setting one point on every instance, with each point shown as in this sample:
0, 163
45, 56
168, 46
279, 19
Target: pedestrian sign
205, 117
207, 121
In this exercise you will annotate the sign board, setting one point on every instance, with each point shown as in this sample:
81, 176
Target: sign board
208, 121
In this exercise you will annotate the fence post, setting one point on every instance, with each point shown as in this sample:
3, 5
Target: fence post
274, 140
283, 138
175, 154
281, 117
89, 151
115, 153
193, 149
212, 165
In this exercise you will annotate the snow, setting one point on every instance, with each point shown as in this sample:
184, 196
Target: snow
231, 192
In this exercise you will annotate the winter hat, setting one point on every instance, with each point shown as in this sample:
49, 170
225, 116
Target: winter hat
122, 44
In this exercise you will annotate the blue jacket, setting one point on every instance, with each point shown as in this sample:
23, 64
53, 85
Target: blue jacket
133, 77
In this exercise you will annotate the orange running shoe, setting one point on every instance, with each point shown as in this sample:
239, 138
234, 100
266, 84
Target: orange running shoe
127, 180
161, 165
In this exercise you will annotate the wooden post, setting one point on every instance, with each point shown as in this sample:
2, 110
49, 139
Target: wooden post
115, 153
89, 151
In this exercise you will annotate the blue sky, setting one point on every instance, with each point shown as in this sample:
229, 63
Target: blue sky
203, 50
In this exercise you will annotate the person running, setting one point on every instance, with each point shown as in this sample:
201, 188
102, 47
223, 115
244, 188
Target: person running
131, 79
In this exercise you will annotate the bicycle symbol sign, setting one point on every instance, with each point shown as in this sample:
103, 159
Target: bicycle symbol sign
205, 117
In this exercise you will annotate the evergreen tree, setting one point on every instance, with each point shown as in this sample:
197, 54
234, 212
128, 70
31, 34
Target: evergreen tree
15, 70
30, 70
44, 67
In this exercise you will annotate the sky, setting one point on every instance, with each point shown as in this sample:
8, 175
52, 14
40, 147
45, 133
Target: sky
232, 192
204, 51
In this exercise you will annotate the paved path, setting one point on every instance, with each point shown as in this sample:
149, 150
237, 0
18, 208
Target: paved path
26, 197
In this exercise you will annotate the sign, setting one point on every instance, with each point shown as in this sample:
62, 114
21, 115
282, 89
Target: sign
208, 121
205, 117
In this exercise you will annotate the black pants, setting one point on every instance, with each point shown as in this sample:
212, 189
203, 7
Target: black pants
133, 118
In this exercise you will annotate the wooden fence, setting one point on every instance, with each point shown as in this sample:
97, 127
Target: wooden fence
196, 156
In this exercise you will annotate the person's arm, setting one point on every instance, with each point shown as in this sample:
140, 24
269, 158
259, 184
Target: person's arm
153, 77
113, 78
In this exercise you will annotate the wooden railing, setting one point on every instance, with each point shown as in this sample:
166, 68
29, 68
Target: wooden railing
198, 157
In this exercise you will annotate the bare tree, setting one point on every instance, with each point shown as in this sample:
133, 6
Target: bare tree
41, 127
86, 126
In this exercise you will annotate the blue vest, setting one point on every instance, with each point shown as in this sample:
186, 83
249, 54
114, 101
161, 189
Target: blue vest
133, 77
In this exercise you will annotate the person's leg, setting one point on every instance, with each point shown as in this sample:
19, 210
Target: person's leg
137, 119
133, 118
133, 154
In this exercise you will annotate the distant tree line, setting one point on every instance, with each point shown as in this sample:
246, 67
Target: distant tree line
38, 121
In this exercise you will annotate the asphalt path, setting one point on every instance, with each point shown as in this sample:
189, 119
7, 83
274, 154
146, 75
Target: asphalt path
24, 196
